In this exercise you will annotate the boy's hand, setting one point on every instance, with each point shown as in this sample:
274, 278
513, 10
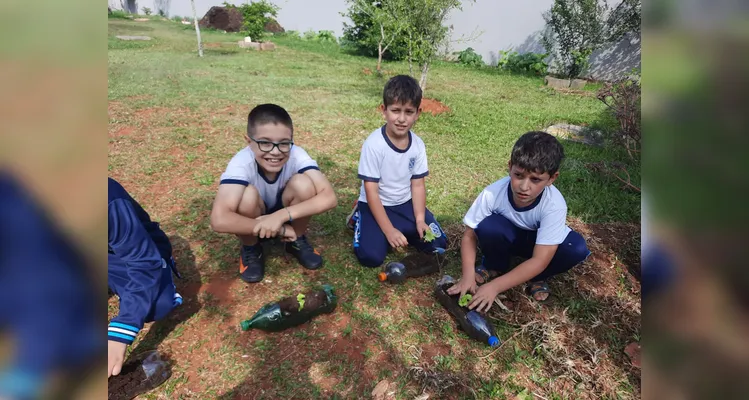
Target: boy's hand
268, 226
396, 238
422, 228
484, 298
288, 233
463, 286
116, 352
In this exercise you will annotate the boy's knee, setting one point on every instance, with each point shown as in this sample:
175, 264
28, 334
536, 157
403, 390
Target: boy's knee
576, 248
495, 228
299, 188
251, 205
369, 259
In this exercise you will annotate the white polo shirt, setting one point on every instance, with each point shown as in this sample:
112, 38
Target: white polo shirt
244, 170
547, 214
391, 167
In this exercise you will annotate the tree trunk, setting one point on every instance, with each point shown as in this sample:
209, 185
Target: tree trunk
197, 28
379, 47
423, 79
410, 56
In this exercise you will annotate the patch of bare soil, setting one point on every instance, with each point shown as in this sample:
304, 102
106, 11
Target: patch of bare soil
433, 106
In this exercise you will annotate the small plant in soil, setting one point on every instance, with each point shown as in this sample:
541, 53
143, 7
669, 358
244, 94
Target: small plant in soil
465, 300
429, 236
300, 299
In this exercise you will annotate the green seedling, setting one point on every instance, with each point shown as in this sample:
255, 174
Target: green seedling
429, 236
300, 300
464, 300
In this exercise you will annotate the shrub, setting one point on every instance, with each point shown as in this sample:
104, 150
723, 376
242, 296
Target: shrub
291, 34
146, 10
310, 35
255, 15
326, 36
623, 100
470, 57
363, 34
119, 14
526, 63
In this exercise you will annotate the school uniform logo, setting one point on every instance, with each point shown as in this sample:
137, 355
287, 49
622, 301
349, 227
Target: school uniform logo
411, 164
435, 230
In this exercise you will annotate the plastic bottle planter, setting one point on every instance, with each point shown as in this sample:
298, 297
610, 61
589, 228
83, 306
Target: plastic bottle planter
412, 266
471, 322
292, 311
139, 375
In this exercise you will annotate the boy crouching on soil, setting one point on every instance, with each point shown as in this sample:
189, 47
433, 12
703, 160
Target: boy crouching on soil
520, 215
271, 188
391, 209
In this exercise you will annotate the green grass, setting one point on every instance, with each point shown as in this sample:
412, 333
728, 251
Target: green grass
177, 119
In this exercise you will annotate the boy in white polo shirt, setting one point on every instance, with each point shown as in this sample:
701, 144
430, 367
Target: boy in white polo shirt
391, 209
525, 215
271, 188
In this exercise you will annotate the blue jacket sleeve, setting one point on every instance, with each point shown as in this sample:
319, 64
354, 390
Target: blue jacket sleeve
142, 260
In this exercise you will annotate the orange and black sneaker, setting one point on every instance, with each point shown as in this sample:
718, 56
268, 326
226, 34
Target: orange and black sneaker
304, 253
251, 263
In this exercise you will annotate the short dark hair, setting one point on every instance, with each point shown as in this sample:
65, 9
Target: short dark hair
538, 152
402, 89
268, 114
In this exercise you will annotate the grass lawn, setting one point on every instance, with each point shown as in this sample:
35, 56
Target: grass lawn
175, 120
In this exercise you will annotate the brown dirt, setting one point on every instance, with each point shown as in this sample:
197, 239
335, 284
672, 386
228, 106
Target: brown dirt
367, 71
623, 239
132, 380
222, 18
433, 106
312, 301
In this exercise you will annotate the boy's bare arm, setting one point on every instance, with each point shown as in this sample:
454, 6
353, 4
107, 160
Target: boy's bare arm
467, 282
542, 255
224, 215
419, 200
323, 200
372, 191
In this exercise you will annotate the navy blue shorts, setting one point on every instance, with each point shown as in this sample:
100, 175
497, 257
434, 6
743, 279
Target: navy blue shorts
371, 245
167, 298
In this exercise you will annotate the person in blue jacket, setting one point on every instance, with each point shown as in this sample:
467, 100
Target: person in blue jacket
140, 270
47, 296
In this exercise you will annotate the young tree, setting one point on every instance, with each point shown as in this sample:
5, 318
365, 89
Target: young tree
577, 28
425, 31
197, 28
377, 23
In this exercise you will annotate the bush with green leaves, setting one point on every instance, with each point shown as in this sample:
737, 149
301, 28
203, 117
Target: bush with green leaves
470, 57
326, 37
119, 14
255, 15
526, 63
363, 34
310, 35
290, 34
577, 28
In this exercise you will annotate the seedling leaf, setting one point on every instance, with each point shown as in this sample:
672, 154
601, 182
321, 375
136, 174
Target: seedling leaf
465, 299
429, 236
300, 300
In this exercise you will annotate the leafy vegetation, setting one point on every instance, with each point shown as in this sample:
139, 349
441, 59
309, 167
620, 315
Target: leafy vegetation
526, 63
255, 15
470, 57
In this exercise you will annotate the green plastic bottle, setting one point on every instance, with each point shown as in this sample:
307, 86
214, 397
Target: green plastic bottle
289, 311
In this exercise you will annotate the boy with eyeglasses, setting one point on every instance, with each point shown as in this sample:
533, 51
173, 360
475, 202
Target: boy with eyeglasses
271, 188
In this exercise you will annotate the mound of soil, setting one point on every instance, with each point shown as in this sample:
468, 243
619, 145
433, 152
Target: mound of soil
273, 26
433, 106
222, 18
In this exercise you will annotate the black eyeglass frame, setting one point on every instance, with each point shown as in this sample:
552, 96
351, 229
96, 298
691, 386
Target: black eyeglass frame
260, 143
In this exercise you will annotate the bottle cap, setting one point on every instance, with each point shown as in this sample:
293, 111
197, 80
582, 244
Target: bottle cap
245, 325
493, 341
382, 276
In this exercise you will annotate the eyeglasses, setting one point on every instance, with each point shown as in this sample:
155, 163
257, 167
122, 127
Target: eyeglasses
266, 146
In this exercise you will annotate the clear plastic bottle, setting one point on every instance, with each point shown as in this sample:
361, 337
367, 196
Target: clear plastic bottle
471, 322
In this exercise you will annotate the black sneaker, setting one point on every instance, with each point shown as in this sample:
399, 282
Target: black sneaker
304, 253
251, 263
